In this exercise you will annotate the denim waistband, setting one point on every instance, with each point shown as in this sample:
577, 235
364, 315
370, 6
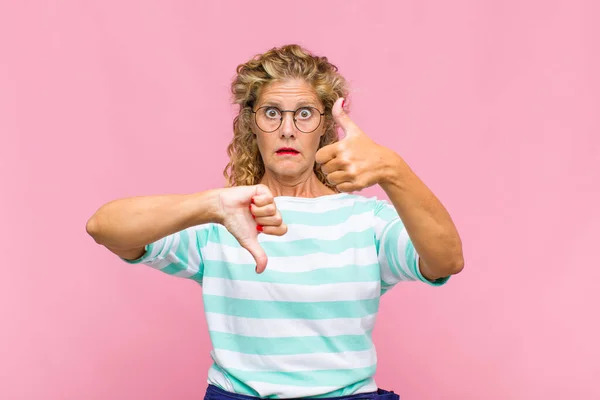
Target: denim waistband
215, 393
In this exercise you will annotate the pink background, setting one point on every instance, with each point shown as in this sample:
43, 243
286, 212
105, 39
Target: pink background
495, 104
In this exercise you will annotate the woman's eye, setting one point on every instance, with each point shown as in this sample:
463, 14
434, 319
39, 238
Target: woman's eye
305, 113
272, 112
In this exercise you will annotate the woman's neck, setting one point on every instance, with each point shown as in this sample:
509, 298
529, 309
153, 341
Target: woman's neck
307, 186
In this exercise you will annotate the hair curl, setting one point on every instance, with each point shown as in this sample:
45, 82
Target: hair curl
245, 165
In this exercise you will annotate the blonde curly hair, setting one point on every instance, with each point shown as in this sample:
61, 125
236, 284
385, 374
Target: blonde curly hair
245, 165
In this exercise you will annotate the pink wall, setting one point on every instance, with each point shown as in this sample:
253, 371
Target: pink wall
495, 104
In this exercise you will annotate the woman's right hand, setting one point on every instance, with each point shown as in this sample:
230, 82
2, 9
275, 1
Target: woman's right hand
246, 211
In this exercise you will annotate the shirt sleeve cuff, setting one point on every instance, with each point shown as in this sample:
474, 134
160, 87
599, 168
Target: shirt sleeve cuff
144, 258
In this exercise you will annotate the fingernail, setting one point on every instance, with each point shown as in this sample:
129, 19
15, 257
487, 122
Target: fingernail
259, 228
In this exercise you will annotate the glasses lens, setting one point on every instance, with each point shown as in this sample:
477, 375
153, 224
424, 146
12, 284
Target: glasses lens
307, 119
268, 119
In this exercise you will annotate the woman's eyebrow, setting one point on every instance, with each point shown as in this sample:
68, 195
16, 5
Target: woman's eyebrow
270, 103
300, 103
303, 103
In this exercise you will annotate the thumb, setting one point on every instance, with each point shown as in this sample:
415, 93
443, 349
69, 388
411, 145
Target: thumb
257, 252
342, 119
261, 189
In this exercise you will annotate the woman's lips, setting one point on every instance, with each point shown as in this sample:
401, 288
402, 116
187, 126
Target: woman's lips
287, 152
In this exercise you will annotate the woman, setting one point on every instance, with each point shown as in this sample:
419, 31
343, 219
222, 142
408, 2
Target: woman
292, 264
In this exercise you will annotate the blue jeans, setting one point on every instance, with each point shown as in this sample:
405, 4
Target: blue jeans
215, 393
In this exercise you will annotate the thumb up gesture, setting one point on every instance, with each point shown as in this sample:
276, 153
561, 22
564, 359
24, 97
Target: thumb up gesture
354, 162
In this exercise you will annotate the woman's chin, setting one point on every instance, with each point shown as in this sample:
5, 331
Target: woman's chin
288, 170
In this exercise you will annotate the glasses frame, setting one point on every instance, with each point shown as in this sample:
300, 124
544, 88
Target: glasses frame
321, 114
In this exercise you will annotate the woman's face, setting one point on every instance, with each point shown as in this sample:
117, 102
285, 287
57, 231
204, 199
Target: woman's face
288, 152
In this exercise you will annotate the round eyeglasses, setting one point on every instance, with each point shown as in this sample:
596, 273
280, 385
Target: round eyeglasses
269, 118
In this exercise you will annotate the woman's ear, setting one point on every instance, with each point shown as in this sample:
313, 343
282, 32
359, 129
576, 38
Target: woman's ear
324, 130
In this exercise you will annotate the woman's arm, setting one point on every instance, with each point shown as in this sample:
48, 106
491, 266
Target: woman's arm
126, 226
357, 162
427, 222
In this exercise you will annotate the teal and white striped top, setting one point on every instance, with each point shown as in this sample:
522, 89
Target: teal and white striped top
303, 327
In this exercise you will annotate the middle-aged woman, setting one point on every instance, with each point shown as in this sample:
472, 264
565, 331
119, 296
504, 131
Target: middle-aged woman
291, 262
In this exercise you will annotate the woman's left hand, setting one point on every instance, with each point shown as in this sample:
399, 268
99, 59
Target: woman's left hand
354, 162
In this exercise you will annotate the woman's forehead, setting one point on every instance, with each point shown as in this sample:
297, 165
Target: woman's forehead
291, 91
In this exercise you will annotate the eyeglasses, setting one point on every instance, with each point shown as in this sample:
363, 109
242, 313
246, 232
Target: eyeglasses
269, 118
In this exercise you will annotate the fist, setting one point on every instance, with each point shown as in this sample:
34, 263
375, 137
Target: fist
246, 211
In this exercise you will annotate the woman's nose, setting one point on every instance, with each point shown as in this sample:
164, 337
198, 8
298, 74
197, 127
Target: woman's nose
288, 128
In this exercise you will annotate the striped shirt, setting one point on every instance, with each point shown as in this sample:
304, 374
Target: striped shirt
304, 326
